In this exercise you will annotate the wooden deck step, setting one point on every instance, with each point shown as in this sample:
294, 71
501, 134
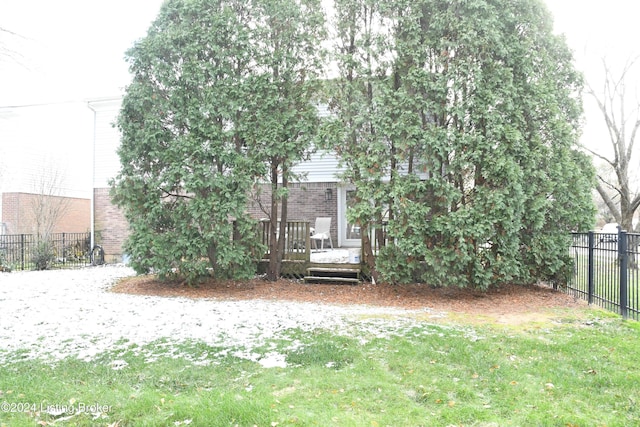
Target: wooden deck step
332, 274
334, 270
308, 279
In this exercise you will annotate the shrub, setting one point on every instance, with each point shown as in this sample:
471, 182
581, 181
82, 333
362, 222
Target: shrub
3, 262
44, 255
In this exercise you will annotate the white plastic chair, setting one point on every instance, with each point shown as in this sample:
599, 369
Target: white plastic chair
322, 232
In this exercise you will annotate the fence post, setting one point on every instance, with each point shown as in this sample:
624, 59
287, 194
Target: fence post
624, 260
590, 262
307, 241
22, 252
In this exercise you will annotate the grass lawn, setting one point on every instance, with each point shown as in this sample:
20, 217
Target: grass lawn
576, 371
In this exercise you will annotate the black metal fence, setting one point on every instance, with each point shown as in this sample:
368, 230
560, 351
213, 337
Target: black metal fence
606, 271
60, 250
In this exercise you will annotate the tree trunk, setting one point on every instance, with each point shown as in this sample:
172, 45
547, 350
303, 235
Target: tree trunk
623, 123
212, 254
277, 234
626, 218
273, 271
368, 256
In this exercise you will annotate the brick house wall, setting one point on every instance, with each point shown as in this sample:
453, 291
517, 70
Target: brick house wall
18, 213
111, 228
307, 201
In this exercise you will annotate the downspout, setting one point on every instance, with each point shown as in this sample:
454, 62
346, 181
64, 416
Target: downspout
93, 176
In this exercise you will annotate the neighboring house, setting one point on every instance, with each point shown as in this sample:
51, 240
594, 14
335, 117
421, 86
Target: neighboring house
320, 194
44, 151
19, 211
109, 227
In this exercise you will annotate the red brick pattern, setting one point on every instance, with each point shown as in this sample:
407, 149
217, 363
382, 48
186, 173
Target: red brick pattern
18, 213
306, 203
111, 227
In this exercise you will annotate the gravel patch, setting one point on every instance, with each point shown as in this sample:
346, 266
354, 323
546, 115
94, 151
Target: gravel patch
57, 314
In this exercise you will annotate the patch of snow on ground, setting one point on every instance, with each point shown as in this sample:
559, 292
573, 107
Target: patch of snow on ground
338, 256
70, 313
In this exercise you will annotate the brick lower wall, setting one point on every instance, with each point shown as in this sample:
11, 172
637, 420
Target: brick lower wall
19, 213
306, 203
110, 226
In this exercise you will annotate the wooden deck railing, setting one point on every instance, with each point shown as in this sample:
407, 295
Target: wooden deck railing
297, 245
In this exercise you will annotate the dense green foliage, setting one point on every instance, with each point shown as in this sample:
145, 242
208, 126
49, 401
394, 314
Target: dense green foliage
220, 92
458, 122
184, 170
279, 102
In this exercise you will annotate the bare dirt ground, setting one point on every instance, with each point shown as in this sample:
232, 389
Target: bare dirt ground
508, 304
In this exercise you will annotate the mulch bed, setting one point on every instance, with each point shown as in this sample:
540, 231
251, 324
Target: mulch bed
504, 300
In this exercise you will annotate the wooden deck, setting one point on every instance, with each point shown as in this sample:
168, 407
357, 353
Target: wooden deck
301, 261
298, 268
340, 274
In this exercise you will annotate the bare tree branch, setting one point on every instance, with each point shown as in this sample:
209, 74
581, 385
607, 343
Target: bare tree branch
611, 205
598, 155
609, 120
48, 206
635, 203
623, 121
167, 194
6, 53
636, 125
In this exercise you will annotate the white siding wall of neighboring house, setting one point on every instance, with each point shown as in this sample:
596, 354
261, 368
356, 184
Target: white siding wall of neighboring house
106, 141
322, 166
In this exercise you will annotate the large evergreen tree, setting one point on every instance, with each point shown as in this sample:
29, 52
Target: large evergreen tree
221, 98
280, 105
456, 122
475, 122
359, 53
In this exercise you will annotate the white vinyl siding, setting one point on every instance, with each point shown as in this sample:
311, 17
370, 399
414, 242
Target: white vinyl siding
106, 141
321, 167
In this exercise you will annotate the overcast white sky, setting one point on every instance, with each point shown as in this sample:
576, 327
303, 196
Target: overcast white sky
68, 51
